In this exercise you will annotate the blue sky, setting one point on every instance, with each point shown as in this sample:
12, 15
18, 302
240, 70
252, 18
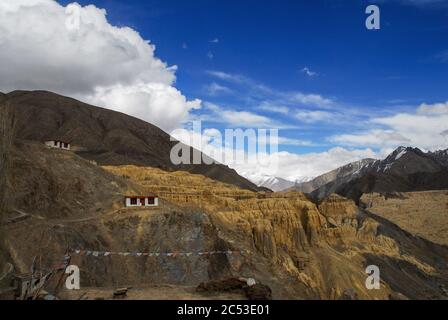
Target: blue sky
274, 43
336, 91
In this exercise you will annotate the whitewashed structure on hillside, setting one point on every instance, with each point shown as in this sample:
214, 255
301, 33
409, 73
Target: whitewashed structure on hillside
142, 201
57, 144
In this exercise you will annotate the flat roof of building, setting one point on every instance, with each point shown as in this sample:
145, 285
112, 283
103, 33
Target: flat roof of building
57, 140
142, 196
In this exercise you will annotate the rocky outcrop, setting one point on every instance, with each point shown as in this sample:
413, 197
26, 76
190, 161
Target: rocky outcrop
339, 211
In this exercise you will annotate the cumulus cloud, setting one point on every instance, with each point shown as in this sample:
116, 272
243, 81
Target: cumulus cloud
135, 99
75, 51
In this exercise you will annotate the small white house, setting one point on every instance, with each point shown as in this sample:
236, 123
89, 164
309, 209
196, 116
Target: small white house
57, 144
142, 201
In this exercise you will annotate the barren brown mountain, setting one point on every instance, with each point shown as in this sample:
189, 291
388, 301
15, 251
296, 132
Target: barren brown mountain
108, 137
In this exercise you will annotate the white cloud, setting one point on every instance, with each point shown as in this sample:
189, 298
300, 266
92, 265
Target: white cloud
309, 99
420, 129
215, 89
314, 116
135, 99
273, 107
215, 40
236, 118
373, 138
308, 72
294, 166
235, 78
433, 109
295, 142
245, 118
286, 165
39, 51
262, 91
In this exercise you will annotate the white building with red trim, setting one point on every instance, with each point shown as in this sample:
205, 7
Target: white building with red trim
142, 201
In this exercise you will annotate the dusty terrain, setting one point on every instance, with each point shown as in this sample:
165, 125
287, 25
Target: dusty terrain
160, 292
299, 249
424, 214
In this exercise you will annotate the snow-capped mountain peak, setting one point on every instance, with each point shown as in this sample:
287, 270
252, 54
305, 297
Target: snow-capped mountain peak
274, 183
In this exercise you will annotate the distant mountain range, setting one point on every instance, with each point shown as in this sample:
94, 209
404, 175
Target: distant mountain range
404, 170
273, 183
344, 173
309, 184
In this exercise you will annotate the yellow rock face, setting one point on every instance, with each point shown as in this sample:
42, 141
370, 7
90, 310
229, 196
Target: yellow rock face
324, 248
300, 249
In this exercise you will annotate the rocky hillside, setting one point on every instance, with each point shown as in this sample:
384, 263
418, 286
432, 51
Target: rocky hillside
440, 156
301, 250
108, 137
404, 170
59, 184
